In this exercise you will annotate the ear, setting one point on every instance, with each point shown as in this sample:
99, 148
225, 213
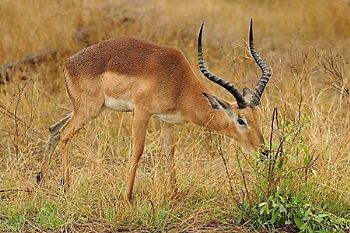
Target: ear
247, 91
218, 104
247, 94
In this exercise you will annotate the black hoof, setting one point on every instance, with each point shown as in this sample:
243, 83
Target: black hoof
62, 182
39, 178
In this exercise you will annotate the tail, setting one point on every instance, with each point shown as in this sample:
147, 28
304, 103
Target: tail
66, 75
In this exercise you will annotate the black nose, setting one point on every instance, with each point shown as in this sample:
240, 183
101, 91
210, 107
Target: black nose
265, 154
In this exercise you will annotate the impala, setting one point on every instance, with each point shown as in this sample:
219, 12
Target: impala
132, 75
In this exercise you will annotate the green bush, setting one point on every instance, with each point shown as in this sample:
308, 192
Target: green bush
284, 182
294, 211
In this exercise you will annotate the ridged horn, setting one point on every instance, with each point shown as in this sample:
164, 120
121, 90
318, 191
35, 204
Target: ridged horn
266, 73
212, 77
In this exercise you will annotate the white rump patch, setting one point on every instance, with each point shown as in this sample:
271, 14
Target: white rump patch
120, 105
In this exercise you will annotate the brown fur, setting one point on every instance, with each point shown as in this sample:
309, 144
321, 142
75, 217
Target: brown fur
154, 80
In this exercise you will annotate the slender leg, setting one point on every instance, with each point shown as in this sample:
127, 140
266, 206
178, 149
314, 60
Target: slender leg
54, 138
139, 129
169, 147
78, 121
58, 125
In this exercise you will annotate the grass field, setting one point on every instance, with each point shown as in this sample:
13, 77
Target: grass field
305, 187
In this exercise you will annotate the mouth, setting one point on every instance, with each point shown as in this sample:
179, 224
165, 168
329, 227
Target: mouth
265, 155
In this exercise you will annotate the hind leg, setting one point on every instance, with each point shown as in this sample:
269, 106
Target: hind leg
54, 138
87, 97
81, 116
58, 125
77, 123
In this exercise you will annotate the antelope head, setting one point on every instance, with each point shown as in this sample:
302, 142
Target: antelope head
245, 117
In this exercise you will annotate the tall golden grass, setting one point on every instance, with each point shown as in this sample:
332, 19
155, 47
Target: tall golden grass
305, 42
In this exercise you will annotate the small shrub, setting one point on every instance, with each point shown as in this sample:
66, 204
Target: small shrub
280, 196
295, 211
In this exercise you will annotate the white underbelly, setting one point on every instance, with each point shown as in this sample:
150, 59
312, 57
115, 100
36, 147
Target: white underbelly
120, 105
175, 118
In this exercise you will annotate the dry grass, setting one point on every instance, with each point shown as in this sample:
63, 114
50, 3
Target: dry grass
305, 42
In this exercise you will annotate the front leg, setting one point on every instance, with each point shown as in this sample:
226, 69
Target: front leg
169, 148
139, 129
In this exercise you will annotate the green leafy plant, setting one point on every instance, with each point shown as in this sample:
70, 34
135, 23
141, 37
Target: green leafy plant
294, 211
277, 200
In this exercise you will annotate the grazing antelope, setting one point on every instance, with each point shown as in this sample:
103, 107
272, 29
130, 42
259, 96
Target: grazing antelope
132, 75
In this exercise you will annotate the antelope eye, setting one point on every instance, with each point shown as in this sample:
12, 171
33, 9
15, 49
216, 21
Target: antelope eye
241, 122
